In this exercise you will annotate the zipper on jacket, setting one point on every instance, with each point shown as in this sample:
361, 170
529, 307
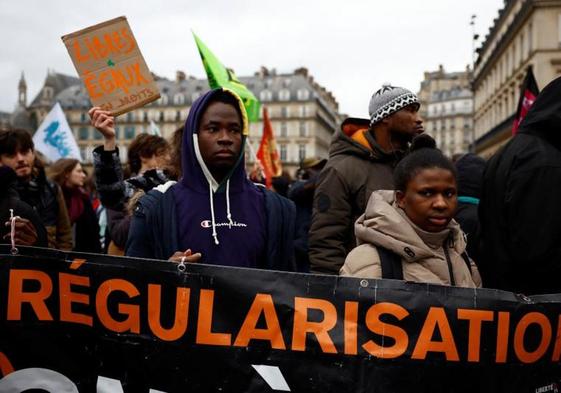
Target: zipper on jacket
449, 263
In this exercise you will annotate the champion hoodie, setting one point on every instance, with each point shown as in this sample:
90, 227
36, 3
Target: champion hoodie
225, 222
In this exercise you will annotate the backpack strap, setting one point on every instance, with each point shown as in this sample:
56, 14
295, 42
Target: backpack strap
391, 264
465, 256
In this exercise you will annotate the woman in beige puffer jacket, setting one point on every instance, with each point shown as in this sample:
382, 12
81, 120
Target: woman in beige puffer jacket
424, 196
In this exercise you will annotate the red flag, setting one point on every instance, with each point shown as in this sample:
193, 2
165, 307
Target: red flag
528, 94
267, 153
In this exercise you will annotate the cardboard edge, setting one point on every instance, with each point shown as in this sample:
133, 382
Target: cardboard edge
88, 29
137, 105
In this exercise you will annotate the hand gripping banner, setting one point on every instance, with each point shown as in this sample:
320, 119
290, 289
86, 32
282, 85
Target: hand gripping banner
73, 322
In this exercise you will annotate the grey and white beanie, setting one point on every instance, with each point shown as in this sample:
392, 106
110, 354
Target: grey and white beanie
389, 99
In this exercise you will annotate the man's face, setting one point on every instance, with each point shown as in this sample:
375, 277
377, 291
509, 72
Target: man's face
430, 199
406, 123
220, 138
21, 162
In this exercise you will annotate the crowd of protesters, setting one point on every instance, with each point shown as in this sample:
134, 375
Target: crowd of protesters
385, 204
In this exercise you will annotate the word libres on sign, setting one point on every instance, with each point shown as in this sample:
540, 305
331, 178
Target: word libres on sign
111, 66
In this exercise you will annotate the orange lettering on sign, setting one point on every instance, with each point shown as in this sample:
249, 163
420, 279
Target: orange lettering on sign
519, 348
131, 311
67, 297
129, 39
108, 80
96, 47
181, 313
375, 325
105, 80
436, 317
262, 305
89, 78
351, 326
302, 326
91, 48
205, 335
78, 55
503, 333
475, 318
557, 349
16, 295
5, 365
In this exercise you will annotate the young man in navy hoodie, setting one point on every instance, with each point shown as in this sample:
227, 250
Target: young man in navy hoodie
214, 214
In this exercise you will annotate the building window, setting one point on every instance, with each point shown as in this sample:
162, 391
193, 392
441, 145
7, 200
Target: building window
304, 111
303, 129
284, 111
558, 27
303, 94
301, 152
178, 116
162, 116
284, 130
179, 99
266, 95
130, 116
47, 93
117, 132
145, 117
84, 133
164, 99
129, 132
97, 135
283, 153
83, 118
83, 152
284, 95
530, 35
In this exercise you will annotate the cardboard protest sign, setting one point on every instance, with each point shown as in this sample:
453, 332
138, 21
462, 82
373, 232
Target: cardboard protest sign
111, 66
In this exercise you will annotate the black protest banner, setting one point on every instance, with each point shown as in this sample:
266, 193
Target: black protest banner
90, 323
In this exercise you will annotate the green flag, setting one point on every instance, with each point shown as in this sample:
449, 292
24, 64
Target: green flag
220, 76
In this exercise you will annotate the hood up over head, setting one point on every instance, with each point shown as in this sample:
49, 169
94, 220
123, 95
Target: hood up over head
196, 175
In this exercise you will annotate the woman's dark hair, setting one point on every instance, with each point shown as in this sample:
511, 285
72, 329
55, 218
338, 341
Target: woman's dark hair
176, 147
13, 140
418, 160
60, 169
145, 145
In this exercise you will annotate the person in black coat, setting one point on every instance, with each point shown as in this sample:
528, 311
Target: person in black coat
30, 230
520, 208
470, 169
302, 194
69, 175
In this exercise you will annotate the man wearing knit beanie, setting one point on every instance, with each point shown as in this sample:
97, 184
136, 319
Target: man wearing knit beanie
362, 157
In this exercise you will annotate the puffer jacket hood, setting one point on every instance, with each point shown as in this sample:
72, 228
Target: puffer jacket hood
434, 258
344, 143
544, 117
384, 226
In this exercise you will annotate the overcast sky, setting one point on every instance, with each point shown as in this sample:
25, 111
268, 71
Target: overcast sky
351, 47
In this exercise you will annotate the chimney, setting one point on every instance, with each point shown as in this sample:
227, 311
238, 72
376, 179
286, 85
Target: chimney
179, 76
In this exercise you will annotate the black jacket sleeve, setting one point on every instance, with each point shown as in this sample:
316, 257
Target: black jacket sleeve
109, 178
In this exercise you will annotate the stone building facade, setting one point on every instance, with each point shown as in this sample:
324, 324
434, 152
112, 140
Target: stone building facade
447, 109
303, 113
526, 33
